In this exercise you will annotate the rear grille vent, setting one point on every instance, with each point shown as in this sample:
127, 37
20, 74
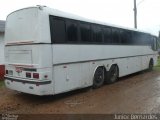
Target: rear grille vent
30, 69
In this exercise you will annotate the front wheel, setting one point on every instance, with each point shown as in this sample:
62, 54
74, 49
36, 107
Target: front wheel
150, 68
99, 77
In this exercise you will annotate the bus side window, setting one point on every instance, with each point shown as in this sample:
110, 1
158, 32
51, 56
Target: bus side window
125, 36
107, 35
115, 36
137, 38
57, 28
72, 31
154, 43
85, 32
96, 34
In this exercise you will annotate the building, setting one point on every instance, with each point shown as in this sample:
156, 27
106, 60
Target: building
2, 29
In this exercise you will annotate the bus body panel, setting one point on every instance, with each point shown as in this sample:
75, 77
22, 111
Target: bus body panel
23, 59
35, 54
75, 69
35, 89
72, 76
17, 28
82, 53
27, 26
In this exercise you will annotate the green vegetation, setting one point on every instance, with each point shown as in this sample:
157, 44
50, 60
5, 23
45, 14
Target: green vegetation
157, 67
1, 83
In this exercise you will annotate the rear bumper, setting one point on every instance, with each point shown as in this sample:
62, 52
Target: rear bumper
30, 87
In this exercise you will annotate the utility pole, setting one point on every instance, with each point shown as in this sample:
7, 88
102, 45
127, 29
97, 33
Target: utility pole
135, 14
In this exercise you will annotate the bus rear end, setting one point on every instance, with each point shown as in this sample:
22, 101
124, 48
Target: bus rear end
28, 56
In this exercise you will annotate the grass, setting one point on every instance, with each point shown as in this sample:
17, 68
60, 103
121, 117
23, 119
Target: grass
157, 67
1, 83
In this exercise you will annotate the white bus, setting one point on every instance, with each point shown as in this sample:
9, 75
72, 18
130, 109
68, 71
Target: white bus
48, 52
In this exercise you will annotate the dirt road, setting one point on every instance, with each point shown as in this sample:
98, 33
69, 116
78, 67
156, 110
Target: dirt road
138, 93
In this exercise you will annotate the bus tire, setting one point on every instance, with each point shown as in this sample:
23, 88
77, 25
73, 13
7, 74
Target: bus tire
151, 63
99, 77
113, 74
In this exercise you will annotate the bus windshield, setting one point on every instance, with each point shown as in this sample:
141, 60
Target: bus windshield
22, 26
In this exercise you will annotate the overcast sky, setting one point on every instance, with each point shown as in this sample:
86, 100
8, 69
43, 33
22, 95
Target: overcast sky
118, 12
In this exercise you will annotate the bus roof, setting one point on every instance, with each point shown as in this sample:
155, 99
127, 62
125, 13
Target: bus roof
55, 12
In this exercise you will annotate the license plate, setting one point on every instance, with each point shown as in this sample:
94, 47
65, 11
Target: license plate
19, 69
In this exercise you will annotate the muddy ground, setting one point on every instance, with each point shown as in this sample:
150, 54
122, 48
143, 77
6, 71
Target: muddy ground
138, 93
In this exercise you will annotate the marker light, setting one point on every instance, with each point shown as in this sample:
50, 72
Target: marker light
46, 76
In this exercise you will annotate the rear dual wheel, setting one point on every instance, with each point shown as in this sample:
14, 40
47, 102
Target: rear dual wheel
99, 77
102, 76
113, 74
151, 64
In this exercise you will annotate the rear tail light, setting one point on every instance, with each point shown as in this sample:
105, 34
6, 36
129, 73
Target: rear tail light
28, 74
36, 75
6, 71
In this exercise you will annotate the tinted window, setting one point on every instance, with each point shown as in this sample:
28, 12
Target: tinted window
57, 28
85, 32
154, 43
136, 38
107, 35
125, 36
145, 39
96, 34
65, 30
141, 38
72, 31
115, 36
